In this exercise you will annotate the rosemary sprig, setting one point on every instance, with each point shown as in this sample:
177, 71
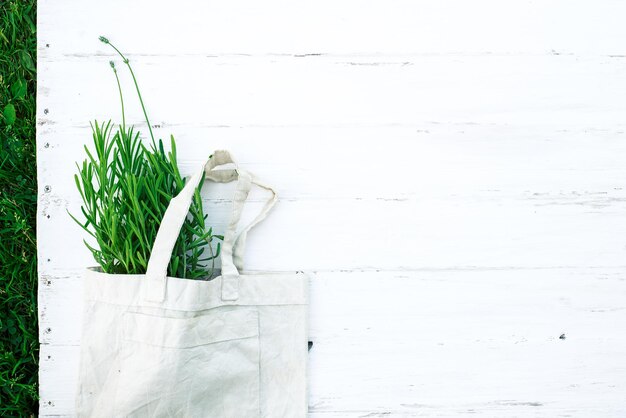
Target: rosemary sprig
126, 188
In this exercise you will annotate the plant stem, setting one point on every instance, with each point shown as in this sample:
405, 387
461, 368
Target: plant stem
119, 87
136, 87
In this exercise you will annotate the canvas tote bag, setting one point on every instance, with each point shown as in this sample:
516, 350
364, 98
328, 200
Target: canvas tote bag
158, 346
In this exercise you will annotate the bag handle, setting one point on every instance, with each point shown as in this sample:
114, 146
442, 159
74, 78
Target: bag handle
154, 284
240, 242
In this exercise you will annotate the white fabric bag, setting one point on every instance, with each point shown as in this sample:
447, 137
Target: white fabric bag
157, 346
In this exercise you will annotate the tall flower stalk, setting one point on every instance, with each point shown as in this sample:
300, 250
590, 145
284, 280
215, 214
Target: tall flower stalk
132, 73
126, 188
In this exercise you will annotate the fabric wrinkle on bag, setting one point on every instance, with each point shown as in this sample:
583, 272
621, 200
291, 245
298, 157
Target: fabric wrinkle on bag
233, 346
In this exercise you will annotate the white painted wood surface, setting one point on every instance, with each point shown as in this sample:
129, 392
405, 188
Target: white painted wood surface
453, 172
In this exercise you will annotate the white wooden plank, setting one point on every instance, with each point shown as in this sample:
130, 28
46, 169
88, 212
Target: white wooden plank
424, 233
449, 342
58, 372
565, 165
338, 27
562, 92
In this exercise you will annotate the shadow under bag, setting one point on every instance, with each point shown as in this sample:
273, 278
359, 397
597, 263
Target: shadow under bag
158, 346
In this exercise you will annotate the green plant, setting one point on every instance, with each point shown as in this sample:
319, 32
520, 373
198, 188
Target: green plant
19, 346
125, 189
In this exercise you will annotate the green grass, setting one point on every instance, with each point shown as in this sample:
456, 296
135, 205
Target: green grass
19, 347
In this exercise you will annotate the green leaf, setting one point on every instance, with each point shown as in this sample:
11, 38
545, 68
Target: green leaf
31, 25
9, 114
18, 89
27, 61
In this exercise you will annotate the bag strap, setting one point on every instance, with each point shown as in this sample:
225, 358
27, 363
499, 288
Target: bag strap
155, 282
240, 243
232, 260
